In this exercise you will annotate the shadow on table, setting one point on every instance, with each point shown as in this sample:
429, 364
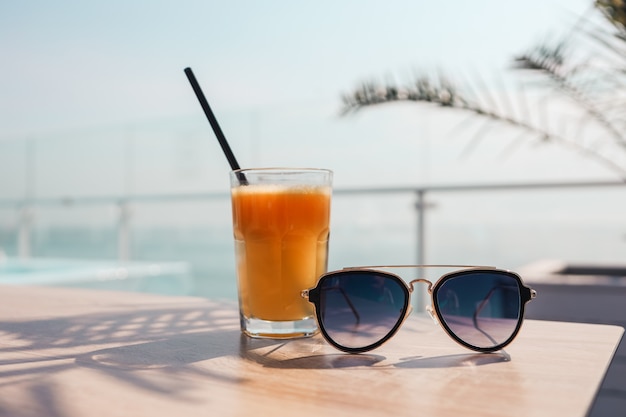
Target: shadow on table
291, 354
455, 361
116, 343
174, 356
122, 344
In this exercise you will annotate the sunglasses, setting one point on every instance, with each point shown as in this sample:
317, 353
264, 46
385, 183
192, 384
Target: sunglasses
359, 309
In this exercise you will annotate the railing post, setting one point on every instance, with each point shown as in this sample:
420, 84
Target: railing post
123, 231
420, 206
24, 249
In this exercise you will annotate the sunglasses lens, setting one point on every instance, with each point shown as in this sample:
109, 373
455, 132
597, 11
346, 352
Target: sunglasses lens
360, 309
480, 308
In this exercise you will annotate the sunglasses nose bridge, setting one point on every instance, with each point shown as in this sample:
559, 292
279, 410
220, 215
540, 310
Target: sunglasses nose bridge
432, 314
423, 281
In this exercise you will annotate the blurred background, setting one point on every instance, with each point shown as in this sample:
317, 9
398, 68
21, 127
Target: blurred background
450, 107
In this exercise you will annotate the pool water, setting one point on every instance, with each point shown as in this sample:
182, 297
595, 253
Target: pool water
172, 278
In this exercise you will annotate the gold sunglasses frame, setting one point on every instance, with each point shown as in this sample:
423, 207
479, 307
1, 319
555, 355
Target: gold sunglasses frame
526, 293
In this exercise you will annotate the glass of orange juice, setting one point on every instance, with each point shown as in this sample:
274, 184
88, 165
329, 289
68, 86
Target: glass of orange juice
281, 219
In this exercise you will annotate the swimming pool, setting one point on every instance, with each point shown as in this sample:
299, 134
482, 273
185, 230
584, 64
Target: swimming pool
172, 278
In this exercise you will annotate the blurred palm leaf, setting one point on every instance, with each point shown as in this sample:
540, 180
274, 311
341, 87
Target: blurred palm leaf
594, 83
615, 12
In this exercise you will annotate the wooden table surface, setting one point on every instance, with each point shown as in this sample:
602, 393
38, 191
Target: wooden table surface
72, 352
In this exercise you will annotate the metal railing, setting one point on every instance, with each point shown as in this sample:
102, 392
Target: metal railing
25, 207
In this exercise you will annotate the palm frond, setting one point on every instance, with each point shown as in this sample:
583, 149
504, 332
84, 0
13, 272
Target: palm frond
614, 11
596, 89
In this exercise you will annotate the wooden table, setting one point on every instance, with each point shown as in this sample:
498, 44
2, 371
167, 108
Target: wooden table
71, 352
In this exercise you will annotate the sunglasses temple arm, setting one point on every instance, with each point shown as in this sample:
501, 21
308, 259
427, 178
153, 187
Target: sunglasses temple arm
482, 305
345, 296
477, 311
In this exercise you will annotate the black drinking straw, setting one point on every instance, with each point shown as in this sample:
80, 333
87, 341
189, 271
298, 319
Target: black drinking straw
216, 126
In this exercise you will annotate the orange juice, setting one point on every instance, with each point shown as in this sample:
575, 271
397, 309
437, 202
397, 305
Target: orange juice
281, 244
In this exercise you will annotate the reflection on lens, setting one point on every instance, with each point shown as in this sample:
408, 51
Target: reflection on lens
359, 309
481, 308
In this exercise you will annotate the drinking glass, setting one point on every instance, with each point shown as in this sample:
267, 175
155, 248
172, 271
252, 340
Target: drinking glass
281, 219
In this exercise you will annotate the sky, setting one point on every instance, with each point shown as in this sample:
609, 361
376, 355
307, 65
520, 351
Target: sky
69, 64
84, 79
